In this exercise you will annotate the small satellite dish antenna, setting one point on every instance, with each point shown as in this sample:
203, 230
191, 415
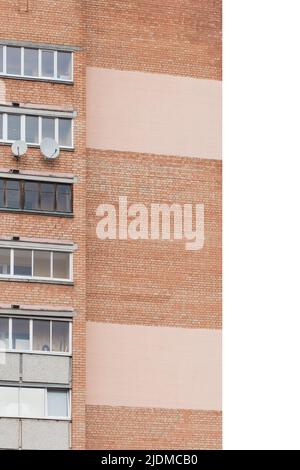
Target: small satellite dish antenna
19, 148
49, 148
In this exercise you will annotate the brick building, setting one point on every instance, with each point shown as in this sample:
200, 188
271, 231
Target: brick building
109, 344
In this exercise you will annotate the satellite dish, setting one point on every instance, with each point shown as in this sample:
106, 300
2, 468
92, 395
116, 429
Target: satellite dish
49, 148
19, 148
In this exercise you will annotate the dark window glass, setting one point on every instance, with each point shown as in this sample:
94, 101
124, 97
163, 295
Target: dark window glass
12, 194
60, 336
13, 60
48, 64
23, 263
13, 126
31, 199
41, 263
4, 333
48, 128
61, 265
31, 62
63, 198
4, 261
32, 129
47, 197
20, 334
1, 126
64, 64
41, 335
1, 193
65, 132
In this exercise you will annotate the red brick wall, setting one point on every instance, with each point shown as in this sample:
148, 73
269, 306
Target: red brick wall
152, 428
175, 37
53, 22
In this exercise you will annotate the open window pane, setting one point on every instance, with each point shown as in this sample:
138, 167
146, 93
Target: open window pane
13, 60
60, 336
64, 65
48, 64
65, 132
48, 128
1, 193
32, 402
4, 342
12, 194
31, 196
41, 263
41, 335
63, 198
4, 261
20, 334
57, 403
31, 62
47, 197
9, 401
13, 126
22, 263
32, 129
61, 265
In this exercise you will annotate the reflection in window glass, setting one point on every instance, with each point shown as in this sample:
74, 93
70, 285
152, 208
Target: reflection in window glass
1, 193
13, 60
57, 403
60, 336
4, 261
9, 401
22, 262
12, 194
4, 342
1, 126
63, 198
41, 335
61, 269
31, 62
41, 263
48, 128
64, 64
47, 197
20, 334
31, 195
65, 132
13, 127
32, 129
32, 402
48, 64
1, 59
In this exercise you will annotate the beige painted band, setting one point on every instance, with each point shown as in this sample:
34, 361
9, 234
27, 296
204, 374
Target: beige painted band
156, 367
153, 113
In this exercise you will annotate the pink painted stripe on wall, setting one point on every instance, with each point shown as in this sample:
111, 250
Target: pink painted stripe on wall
153, 113
144, 366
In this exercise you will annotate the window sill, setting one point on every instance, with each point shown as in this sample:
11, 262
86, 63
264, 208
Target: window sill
38, 281
69, 215
36, 418
37, 79
35, 353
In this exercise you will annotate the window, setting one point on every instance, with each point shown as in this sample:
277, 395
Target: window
35, 264
13, 60
20, 334
32, 402
33, 129
37, 63
35, 335
35, 196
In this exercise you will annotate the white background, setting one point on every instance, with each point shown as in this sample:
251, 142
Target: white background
261, 224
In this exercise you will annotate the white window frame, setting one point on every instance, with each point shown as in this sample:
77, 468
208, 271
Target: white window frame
46, 416
38, 278
31, 350
39, 76
23, 129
